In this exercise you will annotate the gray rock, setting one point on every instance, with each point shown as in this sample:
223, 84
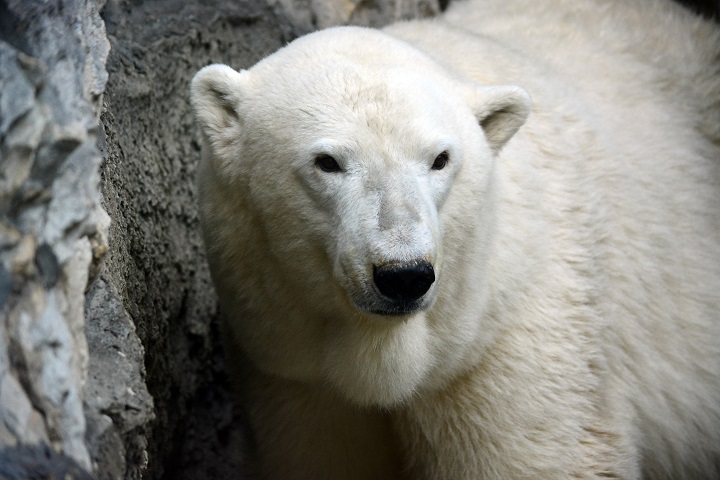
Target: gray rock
117, 402
39, 462
52, 71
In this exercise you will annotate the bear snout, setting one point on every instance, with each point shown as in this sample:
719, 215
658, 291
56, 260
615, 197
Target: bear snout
403, 282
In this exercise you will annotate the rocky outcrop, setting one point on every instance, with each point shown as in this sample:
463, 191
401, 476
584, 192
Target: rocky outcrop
52, 229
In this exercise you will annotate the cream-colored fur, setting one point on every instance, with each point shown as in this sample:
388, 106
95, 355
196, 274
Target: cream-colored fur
573, 327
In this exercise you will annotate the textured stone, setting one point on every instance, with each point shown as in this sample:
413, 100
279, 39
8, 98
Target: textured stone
307, 15
117, 401
20, 419
41, 462
52, 58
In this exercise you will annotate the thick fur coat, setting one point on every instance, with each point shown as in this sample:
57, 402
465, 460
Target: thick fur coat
484, 246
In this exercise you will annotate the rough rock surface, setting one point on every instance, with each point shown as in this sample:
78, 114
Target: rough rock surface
109, 358
52, 75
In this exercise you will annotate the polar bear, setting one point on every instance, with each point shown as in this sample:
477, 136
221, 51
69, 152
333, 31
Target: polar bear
484, 246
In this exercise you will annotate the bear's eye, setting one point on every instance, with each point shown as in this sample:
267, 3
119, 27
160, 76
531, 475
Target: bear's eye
327, 163
440, 161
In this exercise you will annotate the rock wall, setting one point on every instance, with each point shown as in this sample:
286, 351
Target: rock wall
52, 229
109, 358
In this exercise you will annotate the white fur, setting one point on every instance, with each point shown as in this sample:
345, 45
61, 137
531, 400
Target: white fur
572, 330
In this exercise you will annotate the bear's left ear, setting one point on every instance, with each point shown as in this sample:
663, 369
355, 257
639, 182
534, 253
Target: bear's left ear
500, 111
215, 94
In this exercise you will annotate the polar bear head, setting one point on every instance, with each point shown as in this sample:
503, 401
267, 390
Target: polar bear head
328, 173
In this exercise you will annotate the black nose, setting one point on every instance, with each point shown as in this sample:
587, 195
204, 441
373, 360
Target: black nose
404, 282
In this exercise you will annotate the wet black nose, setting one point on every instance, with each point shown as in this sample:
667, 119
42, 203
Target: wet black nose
404, 282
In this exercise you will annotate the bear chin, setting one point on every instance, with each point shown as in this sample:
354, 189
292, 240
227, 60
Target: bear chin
372, 361
381, 307
398, 310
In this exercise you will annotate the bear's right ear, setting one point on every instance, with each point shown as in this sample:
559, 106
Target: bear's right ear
215, 94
